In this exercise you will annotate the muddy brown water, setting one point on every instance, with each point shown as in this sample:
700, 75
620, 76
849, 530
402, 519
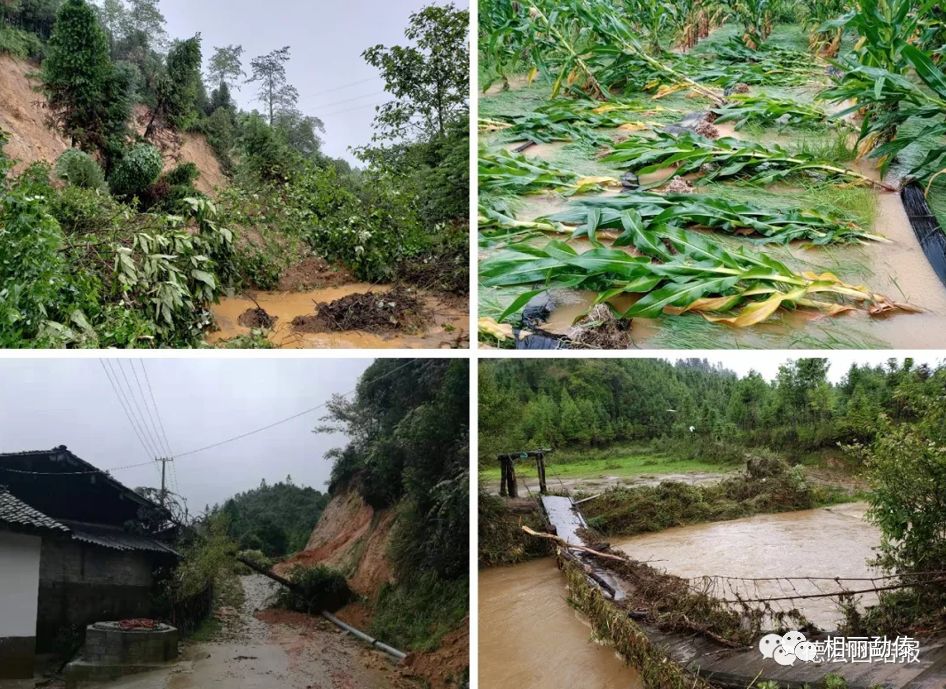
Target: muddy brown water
448, 321
828, 542
531, 638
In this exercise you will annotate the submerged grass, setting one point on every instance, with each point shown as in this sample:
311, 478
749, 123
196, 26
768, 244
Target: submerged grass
768, 486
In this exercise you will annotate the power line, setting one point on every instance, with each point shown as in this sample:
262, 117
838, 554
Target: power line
407, 363
157, 413
343, 87
144, 425
290, 418
154, 424
347, 100
123, 404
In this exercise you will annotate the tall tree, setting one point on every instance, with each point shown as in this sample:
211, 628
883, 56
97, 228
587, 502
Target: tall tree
275, 91
429, 78
179, 87
87, 96
226, 67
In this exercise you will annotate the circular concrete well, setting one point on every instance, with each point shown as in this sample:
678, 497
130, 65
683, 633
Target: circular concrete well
108, 643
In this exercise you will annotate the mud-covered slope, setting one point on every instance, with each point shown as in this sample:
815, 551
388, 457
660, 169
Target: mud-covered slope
23, 116
352, 537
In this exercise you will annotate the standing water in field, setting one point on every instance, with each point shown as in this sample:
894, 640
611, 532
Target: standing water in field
535, 639
823, 543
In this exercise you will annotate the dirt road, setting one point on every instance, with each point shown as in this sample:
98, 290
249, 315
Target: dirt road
272, 649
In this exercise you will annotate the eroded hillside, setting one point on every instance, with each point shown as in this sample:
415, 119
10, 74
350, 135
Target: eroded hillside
23, 116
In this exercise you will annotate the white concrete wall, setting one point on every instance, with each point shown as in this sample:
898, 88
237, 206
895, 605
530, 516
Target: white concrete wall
19, 584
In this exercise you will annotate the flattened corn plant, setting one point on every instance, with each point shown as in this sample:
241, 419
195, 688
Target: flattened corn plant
767, 65
724, 158
678, 272
745, 109
504, 173
627, 214
576, 120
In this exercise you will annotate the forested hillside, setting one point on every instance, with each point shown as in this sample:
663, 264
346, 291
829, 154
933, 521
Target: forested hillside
274, 519
567, 402
123, 240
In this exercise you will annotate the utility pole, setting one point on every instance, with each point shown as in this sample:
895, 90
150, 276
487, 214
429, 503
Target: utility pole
164, 465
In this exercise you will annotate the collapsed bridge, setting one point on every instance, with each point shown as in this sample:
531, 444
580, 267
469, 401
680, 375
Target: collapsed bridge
612, 590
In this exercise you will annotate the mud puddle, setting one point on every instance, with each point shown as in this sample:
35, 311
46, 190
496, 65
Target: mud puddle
828, 542
531, 638
446, 321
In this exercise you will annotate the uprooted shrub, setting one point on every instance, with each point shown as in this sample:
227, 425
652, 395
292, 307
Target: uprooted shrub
315, 589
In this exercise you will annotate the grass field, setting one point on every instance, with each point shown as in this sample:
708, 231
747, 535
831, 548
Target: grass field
621, 463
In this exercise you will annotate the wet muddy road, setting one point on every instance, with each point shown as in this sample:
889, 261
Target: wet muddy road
271, 650
828, 542
447, 320
530, 638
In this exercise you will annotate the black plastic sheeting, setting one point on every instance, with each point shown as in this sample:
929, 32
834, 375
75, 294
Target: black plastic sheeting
926, 228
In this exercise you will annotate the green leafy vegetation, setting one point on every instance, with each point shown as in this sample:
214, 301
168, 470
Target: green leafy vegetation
141, 263
315, 589
409, 451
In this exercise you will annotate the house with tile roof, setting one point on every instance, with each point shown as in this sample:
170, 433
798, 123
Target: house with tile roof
76, 547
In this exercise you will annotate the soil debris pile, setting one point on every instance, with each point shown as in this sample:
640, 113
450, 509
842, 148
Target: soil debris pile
399, 309
257, 318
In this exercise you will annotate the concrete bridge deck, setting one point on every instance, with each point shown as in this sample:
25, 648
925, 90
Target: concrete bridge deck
742, 668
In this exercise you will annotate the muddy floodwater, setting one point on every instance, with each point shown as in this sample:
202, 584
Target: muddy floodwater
822, 543
531, 638
447, 321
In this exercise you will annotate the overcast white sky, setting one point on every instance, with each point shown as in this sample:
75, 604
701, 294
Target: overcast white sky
327, 40
50, 402
767, 363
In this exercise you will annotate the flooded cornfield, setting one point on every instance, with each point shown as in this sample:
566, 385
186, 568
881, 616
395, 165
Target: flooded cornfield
698, 214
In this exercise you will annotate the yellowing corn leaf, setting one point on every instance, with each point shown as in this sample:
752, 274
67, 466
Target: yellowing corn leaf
533, 73
633, 127
668, 89
758, 311
501, 331
594, 181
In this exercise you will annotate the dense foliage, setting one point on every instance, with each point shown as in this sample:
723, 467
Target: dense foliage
408, 426
594, 403
276, 519
126, 95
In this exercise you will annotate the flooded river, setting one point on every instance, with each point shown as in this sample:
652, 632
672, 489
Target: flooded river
530, 638
448, 324
828, 542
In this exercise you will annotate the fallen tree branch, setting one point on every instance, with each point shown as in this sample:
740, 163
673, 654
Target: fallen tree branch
572, 546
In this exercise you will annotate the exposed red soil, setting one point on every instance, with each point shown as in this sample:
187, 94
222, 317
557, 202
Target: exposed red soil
443, 668
184, 147
353, 538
